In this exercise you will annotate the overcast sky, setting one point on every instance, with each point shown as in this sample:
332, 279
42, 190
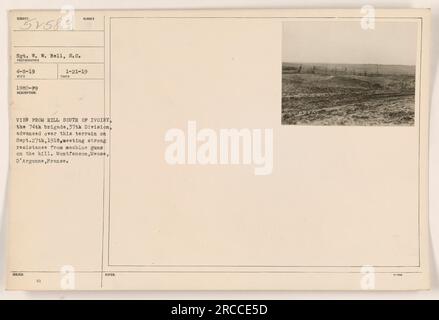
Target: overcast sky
347, 42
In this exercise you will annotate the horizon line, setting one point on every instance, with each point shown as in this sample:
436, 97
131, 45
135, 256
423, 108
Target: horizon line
380, 64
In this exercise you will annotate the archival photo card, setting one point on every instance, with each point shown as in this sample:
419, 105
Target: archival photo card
345, 73
224, 150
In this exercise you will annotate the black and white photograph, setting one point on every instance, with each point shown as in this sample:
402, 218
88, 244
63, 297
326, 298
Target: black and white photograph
340, 73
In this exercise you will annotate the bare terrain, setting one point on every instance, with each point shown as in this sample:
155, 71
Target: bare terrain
336, 94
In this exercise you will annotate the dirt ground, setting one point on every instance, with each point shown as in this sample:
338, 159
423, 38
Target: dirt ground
365, 100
